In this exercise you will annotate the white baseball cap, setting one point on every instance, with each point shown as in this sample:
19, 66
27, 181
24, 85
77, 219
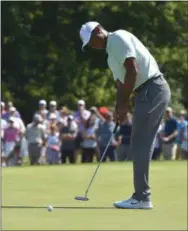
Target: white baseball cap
42, 102
2, 104
85, 32
53, 103
81, 102
12, 109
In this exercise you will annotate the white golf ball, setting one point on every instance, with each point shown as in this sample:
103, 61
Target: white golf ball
50, 208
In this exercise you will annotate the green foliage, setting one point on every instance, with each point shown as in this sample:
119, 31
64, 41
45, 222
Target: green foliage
41, 55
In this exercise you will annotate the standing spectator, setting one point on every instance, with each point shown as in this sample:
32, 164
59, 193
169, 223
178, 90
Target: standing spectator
158, 143
124, 137
11, 136
3, 110
42, 107
89, 144
81, 116
104, 132
169, 135
14, 158
44, 122
53, 109
68, 135
98, 116
63, 115
182, 122
36, 137
18, 122
3, 127
10, 106
184, 143
53, 146
52, 120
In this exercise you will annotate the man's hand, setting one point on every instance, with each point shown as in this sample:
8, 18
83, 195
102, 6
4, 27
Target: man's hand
120, 113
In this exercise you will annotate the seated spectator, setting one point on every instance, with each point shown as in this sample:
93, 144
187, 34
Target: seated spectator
124, 137
6, 115
169, 135
158, 143
53, 146
68, 135
53, 110
104, 133
184, 143
11, 137
89, 144
182, 122
42, 107
36, 138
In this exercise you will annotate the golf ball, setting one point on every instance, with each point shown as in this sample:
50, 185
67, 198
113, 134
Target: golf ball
50, 208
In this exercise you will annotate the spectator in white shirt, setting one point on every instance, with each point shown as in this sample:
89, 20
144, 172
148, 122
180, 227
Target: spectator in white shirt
36, 138
158, 143
53, 109
81, 116
42, 107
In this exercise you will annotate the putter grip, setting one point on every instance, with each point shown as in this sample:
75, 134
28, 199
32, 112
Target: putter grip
115, 129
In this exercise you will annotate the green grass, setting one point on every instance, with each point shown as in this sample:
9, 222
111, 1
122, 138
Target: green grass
58, 185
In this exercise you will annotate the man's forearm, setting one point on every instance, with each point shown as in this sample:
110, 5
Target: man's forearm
173, 135
125, 89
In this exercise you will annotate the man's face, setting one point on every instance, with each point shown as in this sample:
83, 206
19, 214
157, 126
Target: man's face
42, 106
12, 113
81, 107
182, 117
52, 107
168, 114
97, 40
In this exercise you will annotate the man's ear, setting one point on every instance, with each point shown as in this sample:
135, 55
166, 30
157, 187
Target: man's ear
96, 30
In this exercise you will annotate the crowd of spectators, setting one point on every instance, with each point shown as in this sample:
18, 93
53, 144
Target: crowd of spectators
59, 136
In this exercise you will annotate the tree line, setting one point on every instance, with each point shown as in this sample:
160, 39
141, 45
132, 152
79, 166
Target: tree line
42, 57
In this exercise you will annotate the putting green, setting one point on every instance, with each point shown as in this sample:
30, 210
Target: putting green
58, 185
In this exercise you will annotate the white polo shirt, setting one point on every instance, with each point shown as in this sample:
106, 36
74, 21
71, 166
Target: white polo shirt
122, 45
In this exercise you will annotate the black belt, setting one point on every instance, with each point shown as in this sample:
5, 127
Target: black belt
138, 89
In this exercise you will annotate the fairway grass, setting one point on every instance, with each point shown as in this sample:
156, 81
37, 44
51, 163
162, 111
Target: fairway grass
58, 185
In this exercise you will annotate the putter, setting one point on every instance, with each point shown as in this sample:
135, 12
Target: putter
85, 197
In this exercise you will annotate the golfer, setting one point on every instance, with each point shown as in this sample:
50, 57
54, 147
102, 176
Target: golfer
134, 70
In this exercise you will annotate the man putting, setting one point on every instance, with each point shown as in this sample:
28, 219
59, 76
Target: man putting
134, 70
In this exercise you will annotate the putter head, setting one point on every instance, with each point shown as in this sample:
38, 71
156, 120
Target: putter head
81, 198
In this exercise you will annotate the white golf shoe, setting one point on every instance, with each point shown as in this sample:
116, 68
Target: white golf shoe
133, 204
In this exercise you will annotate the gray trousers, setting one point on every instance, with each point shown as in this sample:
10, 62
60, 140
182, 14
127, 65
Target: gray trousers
149, 106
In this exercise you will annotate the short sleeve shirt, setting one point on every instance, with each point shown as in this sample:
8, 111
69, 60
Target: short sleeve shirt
122, 45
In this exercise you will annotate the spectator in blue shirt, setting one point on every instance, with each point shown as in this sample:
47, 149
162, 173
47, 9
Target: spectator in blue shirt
124, 137
182, 122
104, 133
169, 135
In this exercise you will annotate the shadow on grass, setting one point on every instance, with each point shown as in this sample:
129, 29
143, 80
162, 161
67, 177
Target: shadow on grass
55, 207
